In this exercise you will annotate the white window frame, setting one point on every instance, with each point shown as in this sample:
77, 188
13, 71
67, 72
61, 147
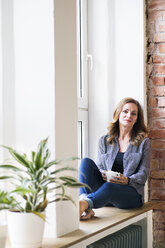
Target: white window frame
83, 134
82, 54
82, 69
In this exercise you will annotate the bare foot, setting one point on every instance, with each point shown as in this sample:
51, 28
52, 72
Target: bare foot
88, 214
85, 213
83, 206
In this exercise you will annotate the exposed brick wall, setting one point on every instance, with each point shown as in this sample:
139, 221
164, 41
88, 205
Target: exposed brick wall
156, 109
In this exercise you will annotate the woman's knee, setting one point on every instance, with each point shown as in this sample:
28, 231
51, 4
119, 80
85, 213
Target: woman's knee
87, 162
87, 168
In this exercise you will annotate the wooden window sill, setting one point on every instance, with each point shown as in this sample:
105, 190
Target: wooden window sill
106, 221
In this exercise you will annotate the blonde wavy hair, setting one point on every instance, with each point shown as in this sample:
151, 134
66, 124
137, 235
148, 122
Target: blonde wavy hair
139, 130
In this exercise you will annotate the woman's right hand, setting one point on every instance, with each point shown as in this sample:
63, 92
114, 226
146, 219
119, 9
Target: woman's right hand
104, 175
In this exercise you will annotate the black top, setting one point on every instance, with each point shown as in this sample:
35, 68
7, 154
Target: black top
118, 163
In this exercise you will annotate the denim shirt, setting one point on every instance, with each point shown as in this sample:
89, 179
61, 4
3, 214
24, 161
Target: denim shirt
136, 161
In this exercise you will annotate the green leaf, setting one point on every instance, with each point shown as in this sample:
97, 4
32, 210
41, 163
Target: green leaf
41, 215
6, 200
28, 206
33, 156
71, 158
10, 167
54, 162
41, 206
60, 197
18, 157
5, 177
22, 190
68, 179
46, 157
63, 169
40, 153
69, 198
76, 185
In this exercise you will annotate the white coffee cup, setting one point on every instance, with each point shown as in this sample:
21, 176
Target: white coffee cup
111, 174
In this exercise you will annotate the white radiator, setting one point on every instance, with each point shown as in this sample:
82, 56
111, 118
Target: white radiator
128, 237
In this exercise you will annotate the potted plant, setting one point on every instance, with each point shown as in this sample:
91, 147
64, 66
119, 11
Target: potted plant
35, 182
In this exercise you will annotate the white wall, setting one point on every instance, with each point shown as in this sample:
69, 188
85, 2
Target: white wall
8, 74
67, 215
34, 72
129, 40
116, 42
2, 214
1, 86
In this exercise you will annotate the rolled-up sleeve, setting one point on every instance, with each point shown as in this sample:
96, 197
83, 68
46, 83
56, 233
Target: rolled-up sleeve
100, 152
141, 175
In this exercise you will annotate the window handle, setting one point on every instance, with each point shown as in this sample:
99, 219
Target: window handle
90, 59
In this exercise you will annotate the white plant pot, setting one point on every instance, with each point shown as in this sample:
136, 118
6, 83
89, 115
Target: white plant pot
3, 235
25, 230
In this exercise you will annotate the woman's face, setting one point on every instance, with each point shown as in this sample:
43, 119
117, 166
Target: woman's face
128, 115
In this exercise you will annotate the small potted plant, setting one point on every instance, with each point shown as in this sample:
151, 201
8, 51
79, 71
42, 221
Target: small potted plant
35, 182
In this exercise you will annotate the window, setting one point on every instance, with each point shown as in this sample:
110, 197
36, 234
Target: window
27, 75
82, 79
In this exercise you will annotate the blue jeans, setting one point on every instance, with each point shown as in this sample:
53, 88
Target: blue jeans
105, 193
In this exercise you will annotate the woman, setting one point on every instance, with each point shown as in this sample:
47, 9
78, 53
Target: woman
126, 149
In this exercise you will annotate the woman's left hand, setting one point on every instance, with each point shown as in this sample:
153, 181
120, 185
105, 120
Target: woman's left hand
121, 179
